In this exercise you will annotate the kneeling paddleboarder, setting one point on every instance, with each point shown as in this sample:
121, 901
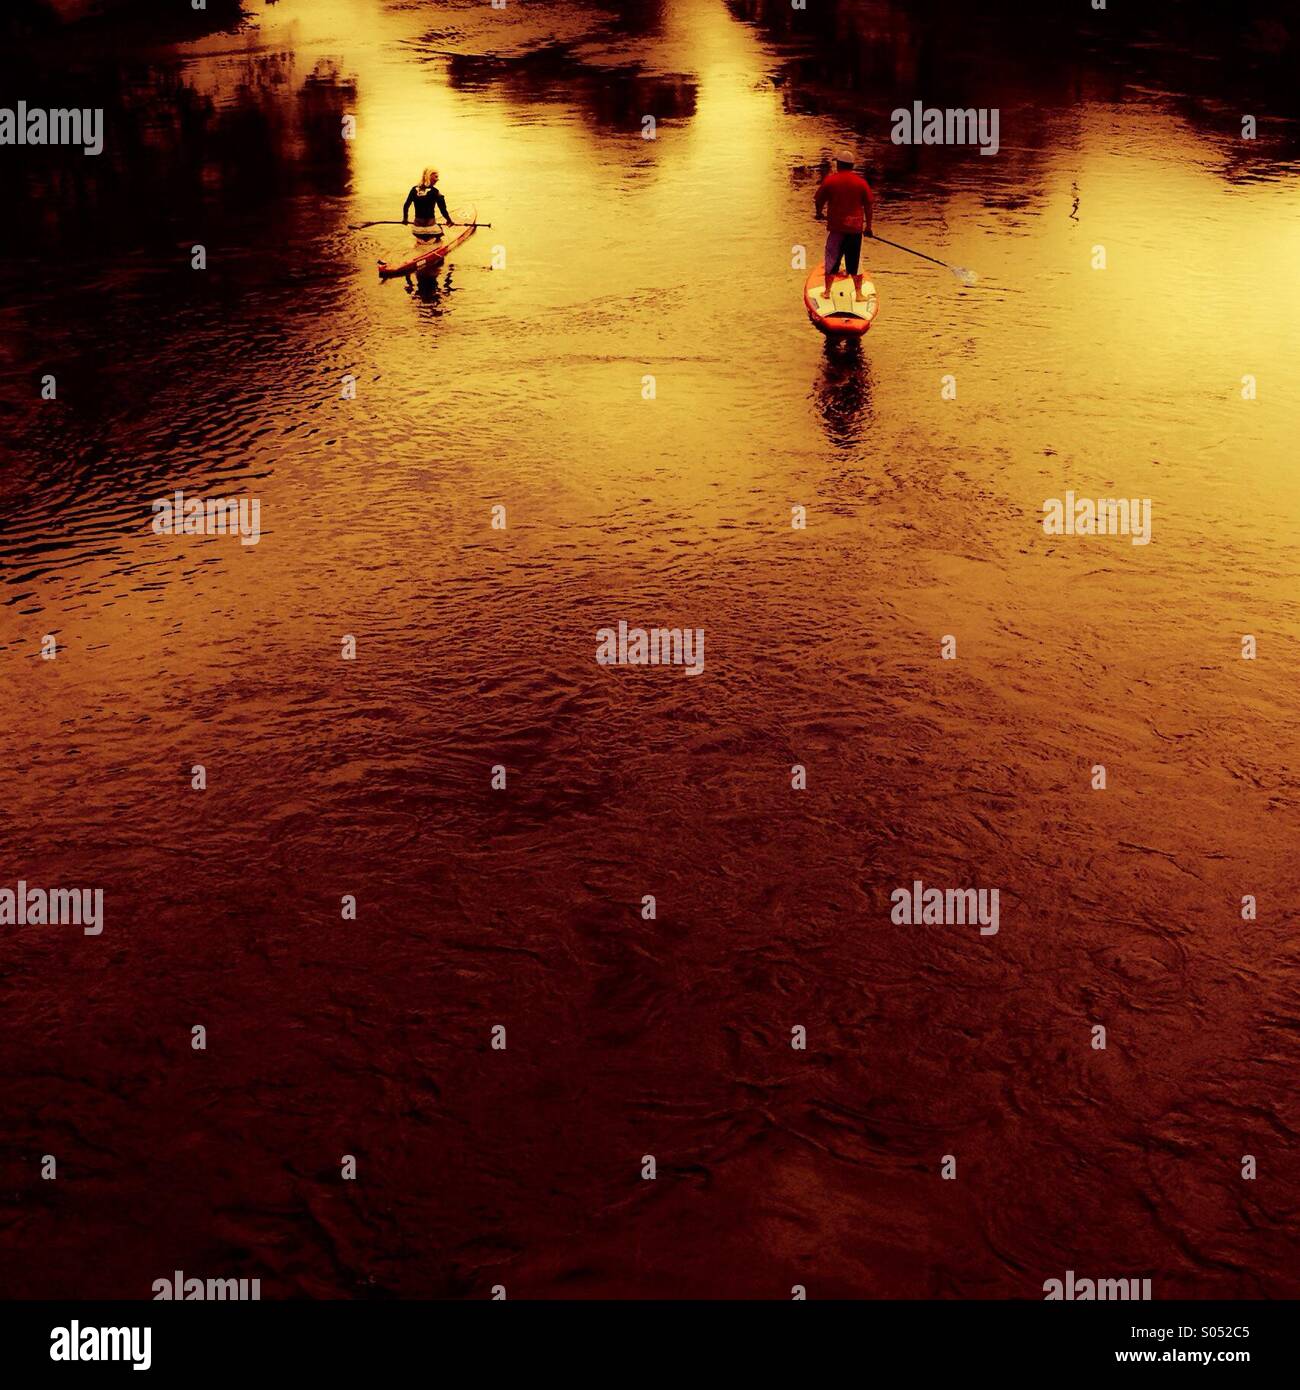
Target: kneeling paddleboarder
426, 198
846, 200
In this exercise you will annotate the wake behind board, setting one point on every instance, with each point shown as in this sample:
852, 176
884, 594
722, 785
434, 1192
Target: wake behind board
842, 315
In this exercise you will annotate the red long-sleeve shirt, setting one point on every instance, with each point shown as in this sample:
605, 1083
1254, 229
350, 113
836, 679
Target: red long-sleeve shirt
848, 200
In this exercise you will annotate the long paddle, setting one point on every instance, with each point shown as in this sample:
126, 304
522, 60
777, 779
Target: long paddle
967, 277
396, 222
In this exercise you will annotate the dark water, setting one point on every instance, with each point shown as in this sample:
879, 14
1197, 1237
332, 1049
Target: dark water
517, 381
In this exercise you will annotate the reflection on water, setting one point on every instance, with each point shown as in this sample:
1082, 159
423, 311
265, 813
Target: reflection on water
429, 287
379, 425
844, 391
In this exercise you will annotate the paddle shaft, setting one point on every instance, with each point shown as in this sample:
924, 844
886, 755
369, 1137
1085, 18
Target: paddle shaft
393, 222
910, 252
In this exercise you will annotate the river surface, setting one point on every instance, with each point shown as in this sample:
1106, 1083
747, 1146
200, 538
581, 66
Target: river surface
622, 362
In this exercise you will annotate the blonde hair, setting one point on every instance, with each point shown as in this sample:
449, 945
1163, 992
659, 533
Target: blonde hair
430, 176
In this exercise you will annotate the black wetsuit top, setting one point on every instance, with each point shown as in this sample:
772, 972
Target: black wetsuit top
424, 204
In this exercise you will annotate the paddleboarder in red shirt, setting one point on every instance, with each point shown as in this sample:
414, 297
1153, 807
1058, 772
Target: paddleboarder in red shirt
846, 200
